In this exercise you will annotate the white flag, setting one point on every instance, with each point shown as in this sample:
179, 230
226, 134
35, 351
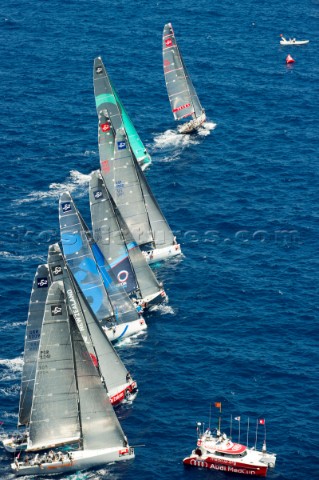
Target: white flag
237, 418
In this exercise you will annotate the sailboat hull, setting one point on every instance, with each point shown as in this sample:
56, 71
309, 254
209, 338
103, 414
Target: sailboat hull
151, 301
159, 254
80, 460
124, 330
193, 125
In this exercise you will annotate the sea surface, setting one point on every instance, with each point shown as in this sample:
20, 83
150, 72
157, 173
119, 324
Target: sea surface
241, 324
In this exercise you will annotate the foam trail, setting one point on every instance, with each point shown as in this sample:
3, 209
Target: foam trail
75, 181
171, 138
11, 370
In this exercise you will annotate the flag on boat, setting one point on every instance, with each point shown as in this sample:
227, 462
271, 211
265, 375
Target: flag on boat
237, 418
261, 421
218, 405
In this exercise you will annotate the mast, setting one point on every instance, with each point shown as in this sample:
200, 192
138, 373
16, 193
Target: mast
40, 287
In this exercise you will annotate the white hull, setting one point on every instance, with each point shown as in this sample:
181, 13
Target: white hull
80, 460
123, 393
159, 254
124, 330
293, 42
193, 124
144, 162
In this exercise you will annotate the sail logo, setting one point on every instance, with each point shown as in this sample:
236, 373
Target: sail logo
56, 270
105, 166
98, 194
56, 310
99, 70
119, 187
42, 282
168, 42
44, 354
122, 277
105, 127
66, 207
121, 145
177, 109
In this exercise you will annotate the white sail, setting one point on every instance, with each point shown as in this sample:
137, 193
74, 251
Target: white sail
99, 424
40, 287
54, 414
182, 95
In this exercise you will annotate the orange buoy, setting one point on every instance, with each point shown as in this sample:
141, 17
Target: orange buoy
289, 59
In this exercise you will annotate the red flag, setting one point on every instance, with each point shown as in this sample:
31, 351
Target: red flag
261, 421
218, 405
168, 42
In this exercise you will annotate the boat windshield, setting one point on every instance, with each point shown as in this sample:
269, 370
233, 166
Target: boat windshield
231, 455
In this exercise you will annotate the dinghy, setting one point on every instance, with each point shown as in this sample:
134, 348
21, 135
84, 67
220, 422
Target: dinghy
70, 404
292, 41
107, 98
119, 248
181, 92
132, 194
110, 304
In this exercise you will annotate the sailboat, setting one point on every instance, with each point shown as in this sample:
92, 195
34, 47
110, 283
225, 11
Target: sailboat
39, 292
181, 92
110, 304
106, 97
70, 404
119, 248
120, 385
132, 194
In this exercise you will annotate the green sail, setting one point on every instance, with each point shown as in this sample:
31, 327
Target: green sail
107, 98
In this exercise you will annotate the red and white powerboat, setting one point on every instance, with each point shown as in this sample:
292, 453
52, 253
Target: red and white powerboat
216, 451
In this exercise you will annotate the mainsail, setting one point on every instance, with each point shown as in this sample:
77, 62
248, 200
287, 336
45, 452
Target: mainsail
99, 347
99, 424
117, 244
54, 414
106, 98
80, 259
107, 234
84, 256
162, 233
122, 182
181, 92
41, 284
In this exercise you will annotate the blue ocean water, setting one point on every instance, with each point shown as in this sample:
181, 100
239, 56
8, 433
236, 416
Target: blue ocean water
241, 323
